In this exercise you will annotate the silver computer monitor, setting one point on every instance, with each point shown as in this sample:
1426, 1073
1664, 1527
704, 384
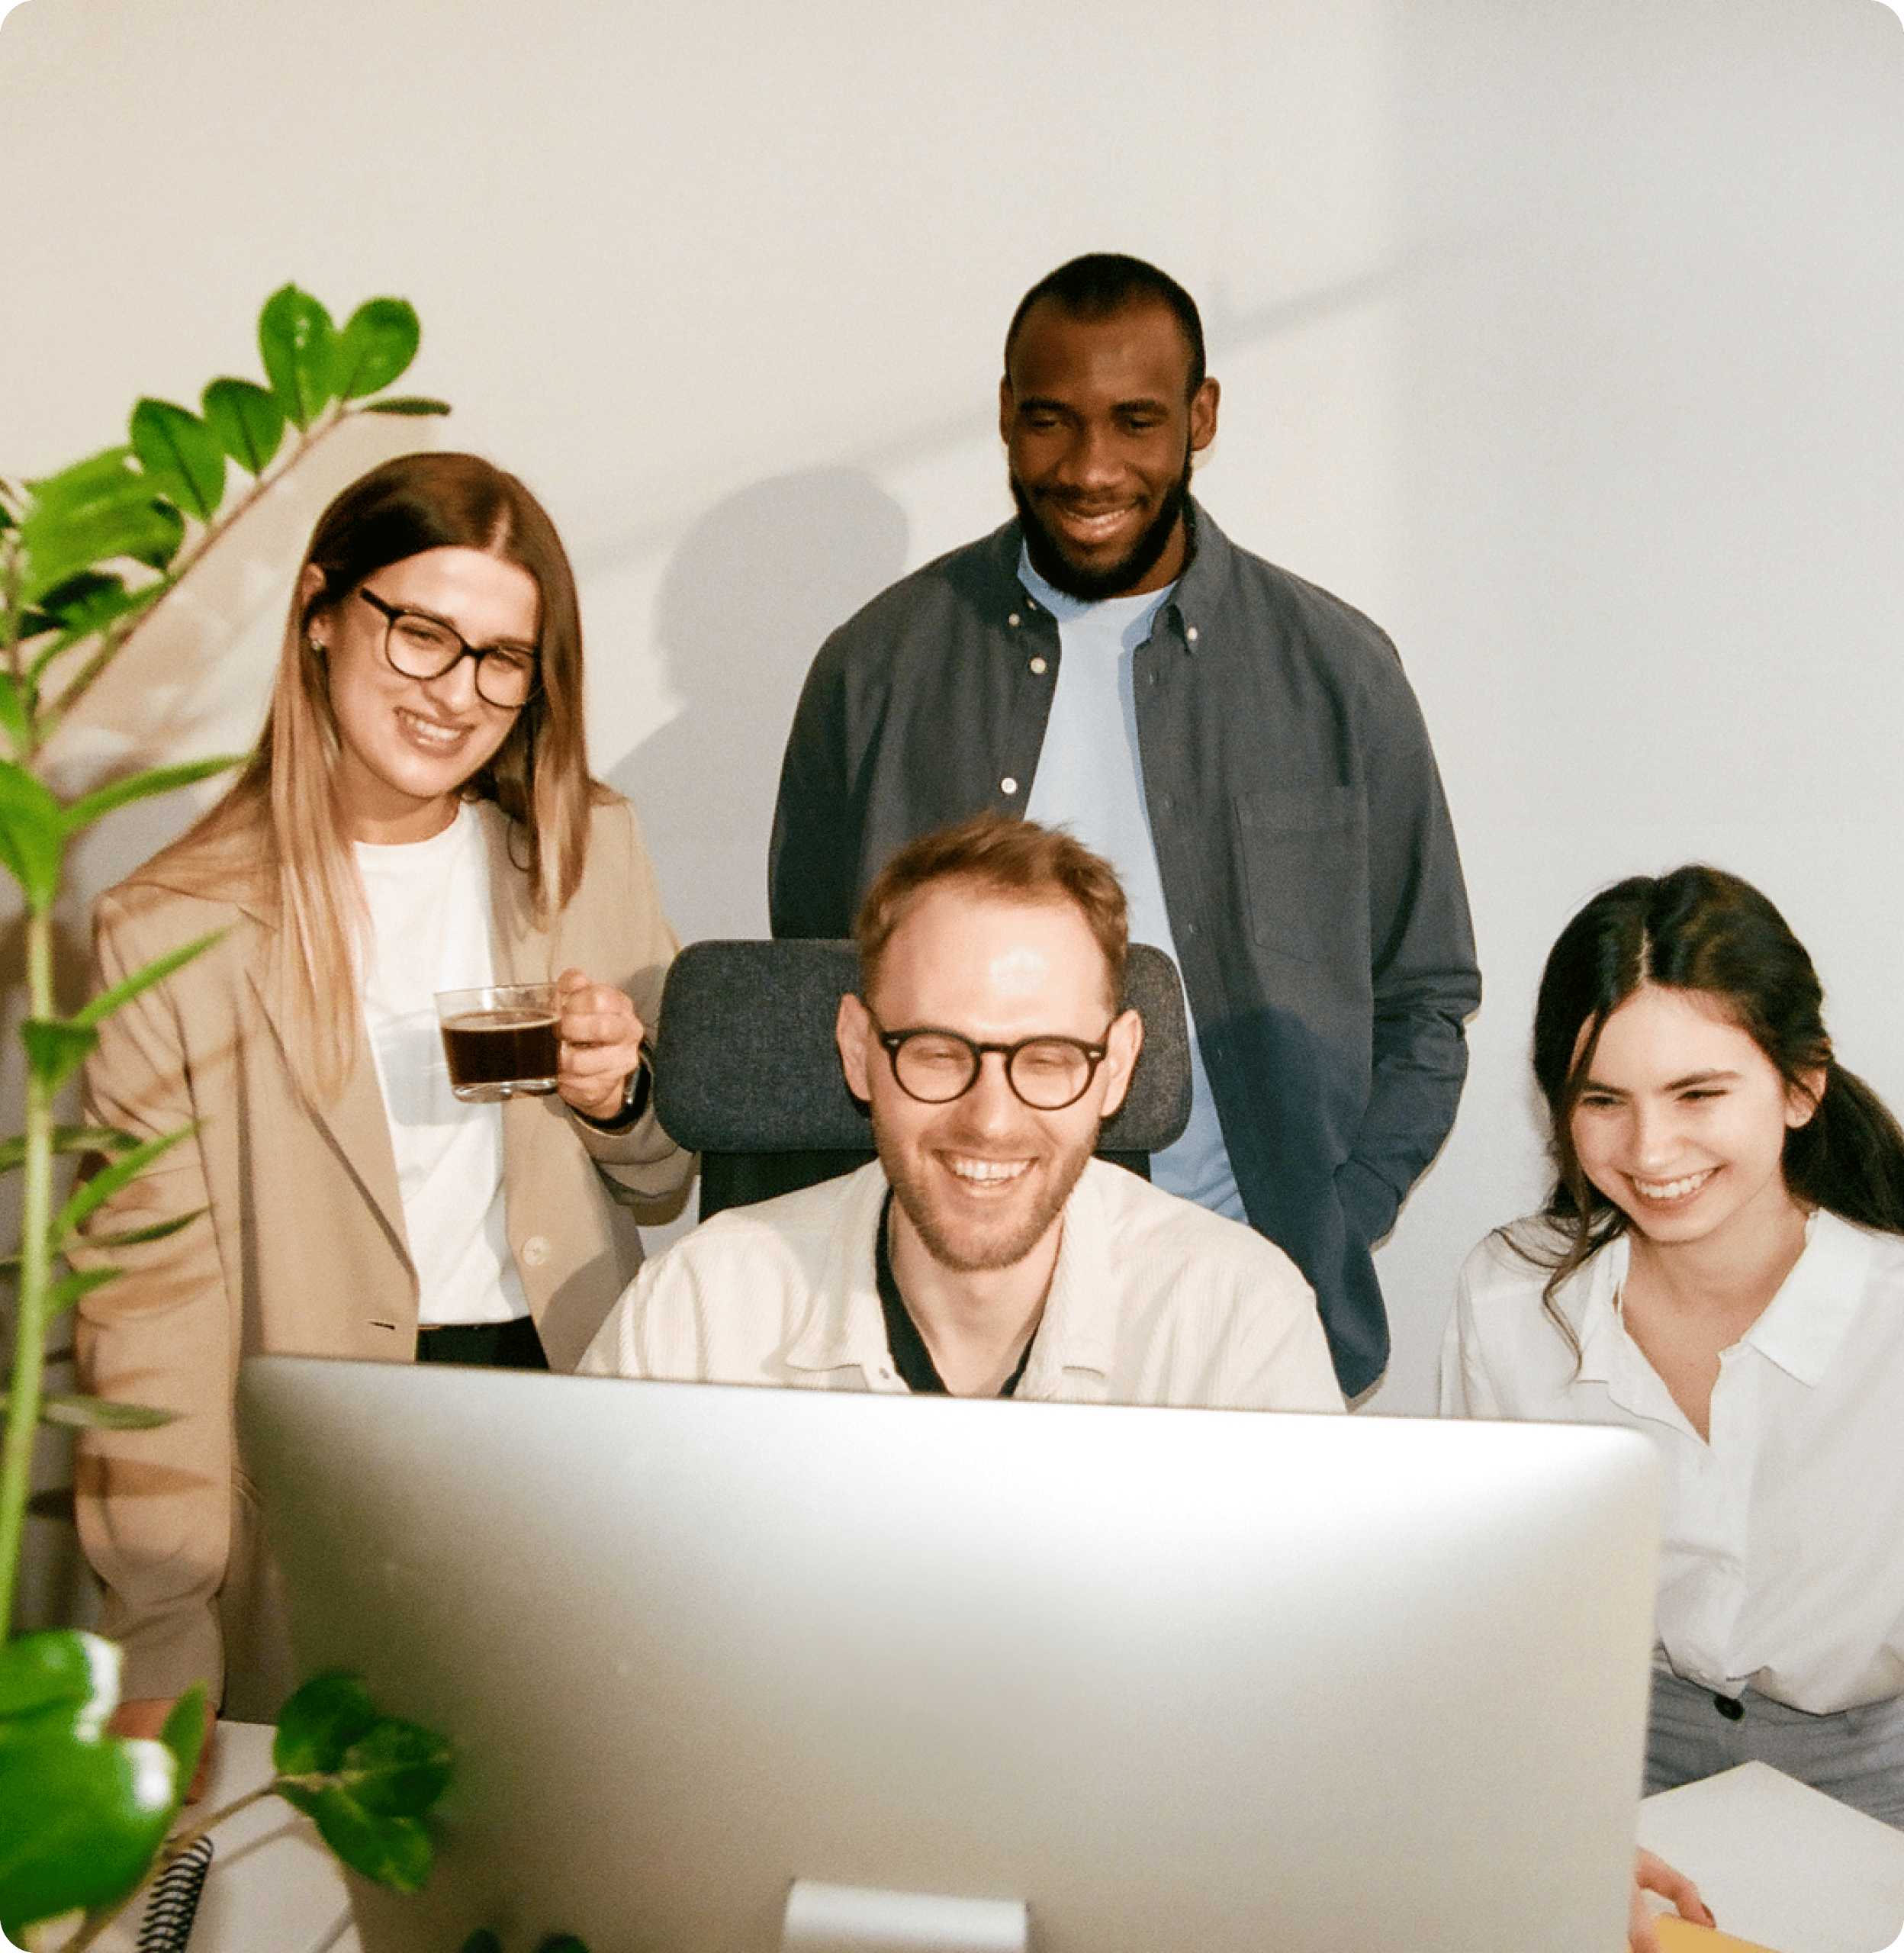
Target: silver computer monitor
1178, 1681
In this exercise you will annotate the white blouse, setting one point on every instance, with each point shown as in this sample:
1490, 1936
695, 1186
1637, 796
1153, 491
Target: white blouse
1782, 1564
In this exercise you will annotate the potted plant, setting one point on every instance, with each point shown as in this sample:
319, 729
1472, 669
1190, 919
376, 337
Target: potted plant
86, 556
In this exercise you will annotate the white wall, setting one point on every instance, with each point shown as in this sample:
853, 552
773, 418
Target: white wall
1561, 335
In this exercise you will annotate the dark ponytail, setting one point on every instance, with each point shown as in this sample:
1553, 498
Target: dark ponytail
1849, 1156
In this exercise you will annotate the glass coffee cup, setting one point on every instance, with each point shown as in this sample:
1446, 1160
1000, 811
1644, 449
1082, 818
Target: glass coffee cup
500, 1041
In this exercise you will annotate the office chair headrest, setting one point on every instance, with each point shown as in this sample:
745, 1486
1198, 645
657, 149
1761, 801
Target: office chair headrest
745, 1060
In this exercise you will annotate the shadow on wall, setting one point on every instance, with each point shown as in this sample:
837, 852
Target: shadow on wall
757, 584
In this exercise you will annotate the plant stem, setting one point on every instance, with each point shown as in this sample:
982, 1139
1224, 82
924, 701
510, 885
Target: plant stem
29, 1325
96, 1923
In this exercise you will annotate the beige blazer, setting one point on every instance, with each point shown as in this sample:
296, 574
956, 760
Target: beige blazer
300, 1246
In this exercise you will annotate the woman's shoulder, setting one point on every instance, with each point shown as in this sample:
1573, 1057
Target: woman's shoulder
612, 823
221, 863
1514, 1260
1877, 1253
611, 818
139, 921
189, 889
618, 858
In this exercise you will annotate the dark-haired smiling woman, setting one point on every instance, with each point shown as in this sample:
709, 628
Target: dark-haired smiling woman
419, 816
1721, 1266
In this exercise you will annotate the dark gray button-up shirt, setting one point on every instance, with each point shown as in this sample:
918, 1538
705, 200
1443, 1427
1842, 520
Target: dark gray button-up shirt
1309, 867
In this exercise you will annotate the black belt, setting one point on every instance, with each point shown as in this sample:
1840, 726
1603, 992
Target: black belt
491, 1346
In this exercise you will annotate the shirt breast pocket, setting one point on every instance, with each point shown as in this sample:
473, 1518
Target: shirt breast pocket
1304, 854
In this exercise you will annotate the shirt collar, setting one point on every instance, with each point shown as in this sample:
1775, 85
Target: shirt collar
1194, 599
1077, 1331
847, 1327
1806, 1321
1138, 608
1604, 1340
1799, 1330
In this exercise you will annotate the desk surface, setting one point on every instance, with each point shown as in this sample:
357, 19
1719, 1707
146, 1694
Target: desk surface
1780, 1864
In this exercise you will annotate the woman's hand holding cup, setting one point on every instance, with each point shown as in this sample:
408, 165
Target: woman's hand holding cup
601, 1045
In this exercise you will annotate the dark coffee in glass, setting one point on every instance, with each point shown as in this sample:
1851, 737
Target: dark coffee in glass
500, 1042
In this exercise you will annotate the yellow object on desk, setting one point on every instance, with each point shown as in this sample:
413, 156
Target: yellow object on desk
1678, 1936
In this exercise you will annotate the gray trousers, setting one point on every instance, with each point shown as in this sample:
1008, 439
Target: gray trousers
1856, 1755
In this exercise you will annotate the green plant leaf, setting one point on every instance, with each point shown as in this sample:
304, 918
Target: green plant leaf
98, 603
183, 1734
365, 1779
68, 1139
482, 1940
298, 345
93, 1193
320, 1721
411, 403
183, 456
82, 485
103, 1005
378, 344
30, 849
82, 1813
61, 1295
143, 786
248, 422
55, 1050
97, 511
156, 1230
103, 1414
75, 598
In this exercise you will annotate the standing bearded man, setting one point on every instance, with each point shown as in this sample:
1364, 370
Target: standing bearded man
1242, 746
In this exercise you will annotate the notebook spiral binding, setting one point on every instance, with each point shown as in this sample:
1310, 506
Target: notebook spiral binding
174, 1904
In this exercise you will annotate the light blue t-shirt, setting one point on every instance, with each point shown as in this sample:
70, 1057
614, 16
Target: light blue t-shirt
1090, 781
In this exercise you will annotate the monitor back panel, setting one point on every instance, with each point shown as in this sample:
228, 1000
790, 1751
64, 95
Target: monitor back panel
1182, 1679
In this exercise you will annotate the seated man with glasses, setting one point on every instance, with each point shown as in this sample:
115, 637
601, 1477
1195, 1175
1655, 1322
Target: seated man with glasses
985, 1252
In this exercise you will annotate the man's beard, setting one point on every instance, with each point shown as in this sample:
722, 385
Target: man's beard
1094, 586
971, 1250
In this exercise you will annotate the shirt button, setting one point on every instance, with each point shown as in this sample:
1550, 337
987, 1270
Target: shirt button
1007, 785
1037, 667
1013, 620
535, 1251
1190, 634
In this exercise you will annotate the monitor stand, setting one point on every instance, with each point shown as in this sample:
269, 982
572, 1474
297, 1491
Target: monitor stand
858, 1918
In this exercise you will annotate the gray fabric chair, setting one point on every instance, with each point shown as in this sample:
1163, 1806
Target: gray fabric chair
746, 1074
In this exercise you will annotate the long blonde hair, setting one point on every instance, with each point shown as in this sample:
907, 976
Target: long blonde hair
277, 837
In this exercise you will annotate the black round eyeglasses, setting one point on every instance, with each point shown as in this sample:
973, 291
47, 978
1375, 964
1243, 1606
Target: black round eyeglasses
421, 646
935, 1067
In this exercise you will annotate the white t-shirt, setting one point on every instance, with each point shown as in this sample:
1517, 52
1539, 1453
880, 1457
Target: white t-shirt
1090, 781
429, 918
1782, 1561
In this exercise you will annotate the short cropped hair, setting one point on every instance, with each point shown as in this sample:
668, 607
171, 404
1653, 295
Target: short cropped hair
998, 856
1102, 284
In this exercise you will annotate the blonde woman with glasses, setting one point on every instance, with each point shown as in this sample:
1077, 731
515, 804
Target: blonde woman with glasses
419, 816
